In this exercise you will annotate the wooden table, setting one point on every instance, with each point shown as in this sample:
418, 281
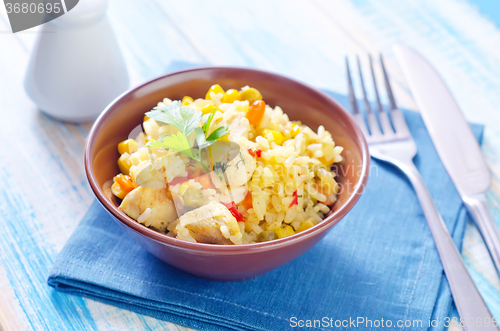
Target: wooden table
43, 189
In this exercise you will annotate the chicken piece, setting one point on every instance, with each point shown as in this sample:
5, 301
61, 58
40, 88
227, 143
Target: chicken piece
250, 162
232, 164
238, 127
154, 204
149, 174
210, 224
238, 133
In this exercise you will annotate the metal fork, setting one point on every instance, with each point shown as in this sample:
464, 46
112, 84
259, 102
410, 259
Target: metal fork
394, 144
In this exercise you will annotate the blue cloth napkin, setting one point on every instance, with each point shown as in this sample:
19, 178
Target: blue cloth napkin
378, 266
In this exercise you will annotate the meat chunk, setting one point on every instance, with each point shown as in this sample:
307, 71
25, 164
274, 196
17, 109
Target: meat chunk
210, 224
154, 204
232, 164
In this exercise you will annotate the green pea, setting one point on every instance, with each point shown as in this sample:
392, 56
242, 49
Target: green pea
193, 197
267, 235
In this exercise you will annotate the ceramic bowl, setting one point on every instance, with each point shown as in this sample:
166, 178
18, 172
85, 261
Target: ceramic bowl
226, 262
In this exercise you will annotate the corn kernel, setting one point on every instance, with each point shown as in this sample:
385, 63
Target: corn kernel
145, 119
116, 189
231, 96
285, 231
128, 146
295, 130
326, 162
125, 182
251, 95
124, 164
305, 225
186, 101
248, 228
216, 88
207, 109
277, 136
183, 188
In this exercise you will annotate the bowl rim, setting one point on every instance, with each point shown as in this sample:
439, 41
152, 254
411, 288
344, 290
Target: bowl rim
317, 229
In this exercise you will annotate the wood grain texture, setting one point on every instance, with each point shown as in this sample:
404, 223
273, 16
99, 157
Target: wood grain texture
43, 190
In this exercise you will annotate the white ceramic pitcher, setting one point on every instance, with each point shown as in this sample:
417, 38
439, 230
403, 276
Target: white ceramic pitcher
76, 68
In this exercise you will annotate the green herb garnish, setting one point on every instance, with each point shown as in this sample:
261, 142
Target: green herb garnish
186, 119
220, 168
240, 161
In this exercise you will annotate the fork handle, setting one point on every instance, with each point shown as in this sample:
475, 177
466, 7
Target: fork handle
478, 209
470, 304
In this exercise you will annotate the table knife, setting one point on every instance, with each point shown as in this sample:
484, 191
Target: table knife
454, 141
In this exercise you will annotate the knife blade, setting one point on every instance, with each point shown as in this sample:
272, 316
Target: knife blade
454, 141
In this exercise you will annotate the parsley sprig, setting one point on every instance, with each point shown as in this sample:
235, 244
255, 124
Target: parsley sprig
186, 120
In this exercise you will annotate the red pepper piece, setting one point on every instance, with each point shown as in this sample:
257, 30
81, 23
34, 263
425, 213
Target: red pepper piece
178, 180
234, 210
259, 153
295, 200
251, 152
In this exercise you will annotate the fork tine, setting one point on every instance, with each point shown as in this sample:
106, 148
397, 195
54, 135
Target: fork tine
382, 115
367, 104
379, 105
397, 117
370, 116
392, 102
352, 96
353, 103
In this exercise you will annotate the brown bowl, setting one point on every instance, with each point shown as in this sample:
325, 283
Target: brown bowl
224, 262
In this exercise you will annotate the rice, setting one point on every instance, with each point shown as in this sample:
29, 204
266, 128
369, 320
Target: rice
288, 185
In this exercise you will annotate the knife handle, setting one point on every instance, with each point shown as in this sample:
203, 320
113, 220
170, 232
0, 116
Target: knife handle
478, 209
470, 304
